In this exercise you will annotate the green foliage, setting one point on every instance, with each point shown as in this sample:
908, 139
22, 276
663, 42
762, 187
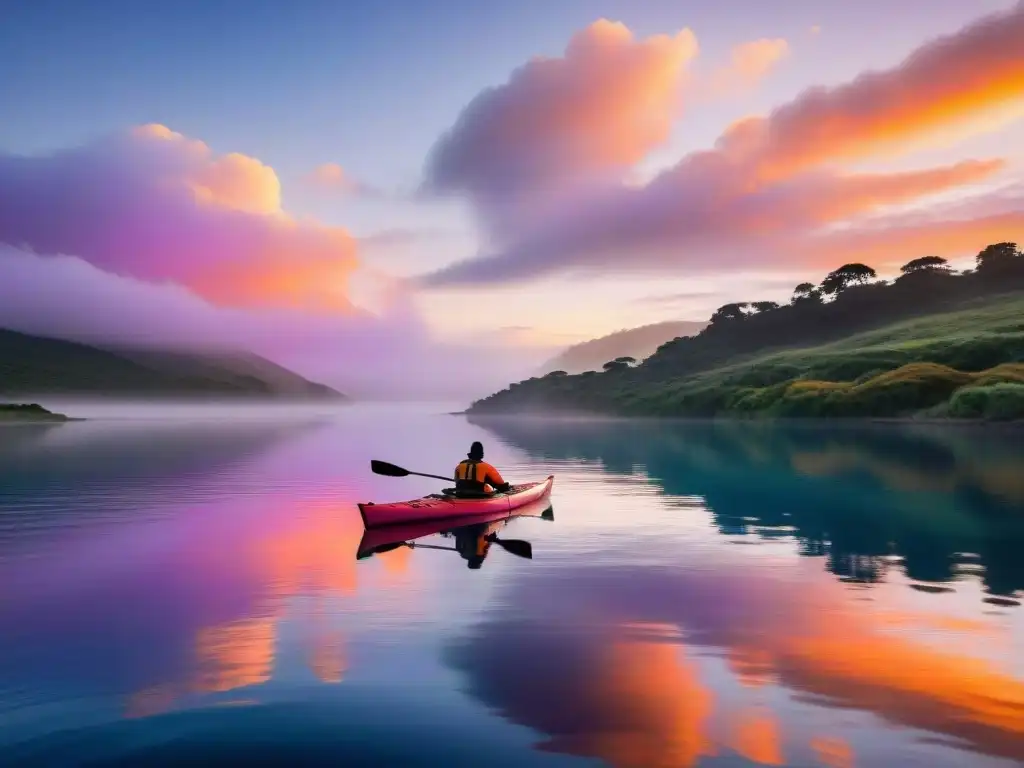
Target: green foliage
615, 365
997, 254
727, 312
997, 402
925, 264
840, 279
908, 368
806, 293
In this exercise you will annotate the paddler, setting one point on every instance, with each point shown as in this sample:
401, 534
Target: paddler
475, 475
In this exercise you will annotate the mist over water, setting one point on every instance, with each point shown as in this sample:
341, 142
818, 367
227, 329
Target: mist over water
183, 578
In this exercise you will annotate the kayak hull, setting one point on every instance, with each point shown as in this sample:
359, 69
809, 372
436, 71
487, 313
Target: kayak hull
385, 535
436, 507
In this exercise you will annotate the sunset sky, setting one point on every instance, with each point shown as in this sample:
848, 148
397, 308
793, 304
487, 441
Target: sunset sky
348, 186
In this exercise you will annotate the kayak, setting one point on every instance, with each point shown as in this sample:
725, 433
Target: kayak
449, 507
386, 535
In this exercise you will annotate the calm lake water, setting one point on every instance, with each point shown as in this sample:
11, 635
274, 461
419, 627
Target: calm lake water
182, 582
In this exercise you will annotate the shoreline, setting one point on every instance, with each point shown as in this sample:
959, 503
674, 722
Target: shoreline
833, 421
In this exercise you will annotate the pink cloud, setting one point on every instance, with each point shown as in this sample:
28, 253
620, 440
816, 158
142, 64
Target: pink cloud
772, 185
152, 204
560, 123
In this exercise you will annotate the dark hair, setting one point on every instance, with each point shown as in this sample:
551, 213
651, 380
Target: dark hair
476, 450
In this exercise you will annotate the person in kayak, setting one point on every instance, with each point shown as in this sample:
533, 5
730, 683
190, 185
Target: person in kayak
474, 475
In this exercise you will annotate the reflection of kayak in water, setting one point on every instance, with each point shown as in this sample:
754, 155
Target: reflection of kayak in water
474, 541
447, 507
473, 536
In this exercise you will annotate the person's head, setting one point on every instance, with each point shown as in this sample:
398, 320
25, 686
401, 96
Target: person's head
476, 451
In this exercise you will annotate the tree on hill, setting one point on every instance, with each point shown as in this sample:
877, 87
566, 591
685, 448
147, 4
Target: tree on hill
728, 312
625, 359
926, 264
997, 255
765, 306
838, 280
806, 292
555, 374
615, 365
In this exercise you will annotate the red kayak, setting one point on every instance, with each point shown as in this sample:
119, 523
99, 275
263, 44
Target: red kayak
448, 507
387, 536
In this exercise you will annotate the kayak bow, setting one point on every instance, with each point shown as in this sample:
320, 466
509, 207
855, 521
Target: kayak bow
445, 507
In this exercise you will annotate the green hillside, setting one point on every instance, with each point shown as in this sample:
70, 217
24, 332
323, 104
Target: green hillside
960, 354
31, 365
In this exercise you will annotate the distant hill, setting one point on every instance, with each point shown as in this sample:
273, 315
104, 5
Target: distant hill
38, 365
634, 342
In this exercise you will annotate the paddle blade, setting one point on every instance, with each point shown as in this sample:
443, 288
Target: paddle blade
516, 547
383, 468
389, 547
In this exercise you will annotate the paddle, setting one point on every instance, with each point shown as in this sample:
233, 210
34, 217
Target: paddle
392, 470
512, 546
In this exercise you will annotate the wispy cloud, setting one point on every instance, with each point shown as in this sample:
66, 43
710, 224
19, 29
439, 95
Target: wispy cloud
332, 178
749, 63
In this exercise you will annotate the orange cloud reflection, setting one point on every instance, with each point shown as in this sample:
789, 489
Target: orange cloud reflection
757, 739
648, 709
833, 752
234, 655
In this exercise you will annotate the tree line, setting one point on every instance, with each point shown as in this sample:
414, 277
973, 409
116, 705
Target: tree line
993, 260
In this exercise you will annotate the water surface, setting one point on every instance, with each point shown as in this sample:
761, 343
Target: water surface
182, 582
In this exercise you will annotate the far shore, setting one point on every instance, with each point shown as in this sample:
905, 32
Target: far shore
837, 421
31, 413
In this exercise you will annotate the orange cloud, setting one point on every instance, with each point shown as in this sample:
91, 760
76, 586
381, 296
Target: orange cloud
951, 80
559, 123
751, 62
853, 194
234, 180
898, 239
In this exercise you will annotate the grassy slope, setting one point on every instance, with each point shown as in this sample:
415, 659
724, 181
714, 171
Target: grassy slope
242, 369
37, 365
932, 364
